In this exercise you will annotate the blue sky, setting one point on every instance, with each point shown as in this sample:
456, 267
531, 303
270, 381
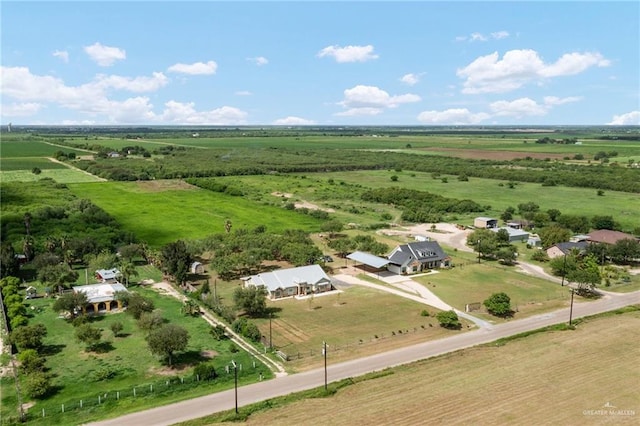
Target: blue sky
320, 63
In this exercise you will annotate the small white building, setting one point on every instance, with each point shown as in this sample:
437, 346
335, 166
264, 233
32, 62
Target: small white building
101, 297
281, 283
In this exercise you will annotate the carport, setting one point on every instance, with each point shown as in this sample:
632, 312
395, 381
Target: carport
369, 262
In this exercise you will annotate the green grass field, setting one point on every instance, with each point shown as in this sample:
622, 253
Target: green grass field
30, 148
78, 372
162, 212
28, 163
64, 175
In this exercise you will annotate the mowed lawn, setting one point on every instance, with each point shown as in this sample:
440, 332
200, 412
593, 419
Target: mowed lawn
623, 206
552, 378
356, 322
473, 283
160, 212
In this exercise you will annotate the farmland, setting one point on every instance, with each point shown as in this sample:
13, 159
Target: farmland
557, 377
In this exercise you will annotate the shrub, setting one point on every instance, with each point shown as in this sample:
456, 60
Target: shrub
424, 313
449, 319
204, 371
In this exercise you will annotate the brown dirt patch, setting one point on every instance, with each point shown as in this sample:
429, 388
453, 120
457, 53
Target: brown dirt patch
164, 185
483, 154
168, 371
208, 354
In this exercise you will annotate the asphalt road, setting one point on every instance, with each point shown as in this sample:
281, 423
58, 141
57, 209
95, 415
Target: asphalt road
202, 406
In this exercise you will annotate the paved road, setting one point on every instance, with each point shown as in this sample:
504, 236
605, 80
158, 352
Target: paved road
202, 406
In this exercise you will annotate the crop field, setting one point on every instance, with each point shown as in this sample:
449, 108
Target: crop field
64, 175
560, 377
28, 148
125, 360
28, 163
357, 321
160, 212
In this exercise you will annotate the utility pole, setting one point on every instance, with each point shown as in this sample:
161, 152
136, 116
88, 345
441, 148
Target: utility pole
270, 341
235, 374
571, 309
564, 269
478, 251
324, 352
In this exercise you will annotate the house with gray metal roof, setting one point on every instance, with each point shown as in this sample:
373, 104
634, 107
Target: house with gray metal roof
416, 257
304, 280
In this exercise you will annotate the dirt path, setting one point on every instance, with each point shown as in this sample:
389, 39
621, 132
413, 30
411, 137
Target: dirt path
166, 288
69, 166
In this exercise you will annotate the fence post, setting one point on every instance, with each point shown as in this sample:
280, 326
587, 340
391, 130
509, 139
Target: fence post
151, 388
63, 408
134, 392
80, 403
98, 399
118, 395
182, 380
43, 412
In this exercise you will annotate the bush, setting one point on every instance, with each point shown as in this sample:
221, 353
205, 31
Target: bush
204, 371
37, 385
424, 313
449, 319
499, 304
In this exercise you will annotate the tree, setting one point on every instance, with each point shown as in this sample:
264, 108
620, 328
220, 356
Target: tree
190, 307
554, 214
88, 335
71, 302
30, 361
251, 300
128, 270
176, 260
332, 227
116, 327
27, 222
448, 319
603, 222
135, 303
37, 385
228, 225
28, 247
167, 340
625, 251
29, 336
8, 261
59, 275
499, 304
36, 171
130, 251
150, 321
586, 275
554, 234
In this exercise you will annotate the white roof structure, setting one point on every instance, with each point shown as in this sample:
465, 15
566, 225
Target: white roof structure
513, 233
97, 293
368, 259
108, 274
285, 278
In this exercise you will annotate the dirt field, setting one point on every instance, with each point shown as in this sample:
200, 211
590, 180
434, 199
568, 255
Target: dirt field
481, 154
581, 377
164, 185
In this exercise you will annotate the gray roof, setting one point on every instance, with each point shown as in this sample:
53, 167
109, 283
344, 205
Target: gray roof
368, 259
423, 251
511, 231
285, 278
568, 246
97, 293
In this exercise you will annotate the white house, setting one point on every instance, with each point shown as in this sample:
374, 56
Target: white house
303, 280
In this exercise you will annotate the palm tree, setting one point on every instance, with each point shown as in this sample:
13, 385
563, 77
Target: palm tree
27, 222
128, 270
50, 244
27, 247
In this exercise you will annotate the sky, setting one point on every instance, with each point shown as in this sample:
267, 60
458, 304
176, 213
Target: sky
320, 63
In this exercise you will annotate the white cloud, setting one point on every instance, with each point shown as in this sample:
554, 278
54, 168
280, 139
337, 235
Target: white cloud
554, 100
489, 74
135, 84
411, 79
349, 53
105, 55
62, 54
574, 63
185, 113
89, 98
243, 93
293, 121
355, 112
630, 118
197, 68
21, 110
517, 108
259, 60
372, 97
457, 116
497, 35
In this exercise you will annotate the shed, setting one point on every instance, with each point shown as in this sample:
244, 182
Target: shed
197, 268
485, 222
514, 234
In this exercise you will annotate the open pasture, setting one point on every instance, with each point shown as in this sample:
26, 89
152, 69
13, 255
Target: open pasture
160, 212
357, 321
28, 163
559, 378
64, 175
624, 207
